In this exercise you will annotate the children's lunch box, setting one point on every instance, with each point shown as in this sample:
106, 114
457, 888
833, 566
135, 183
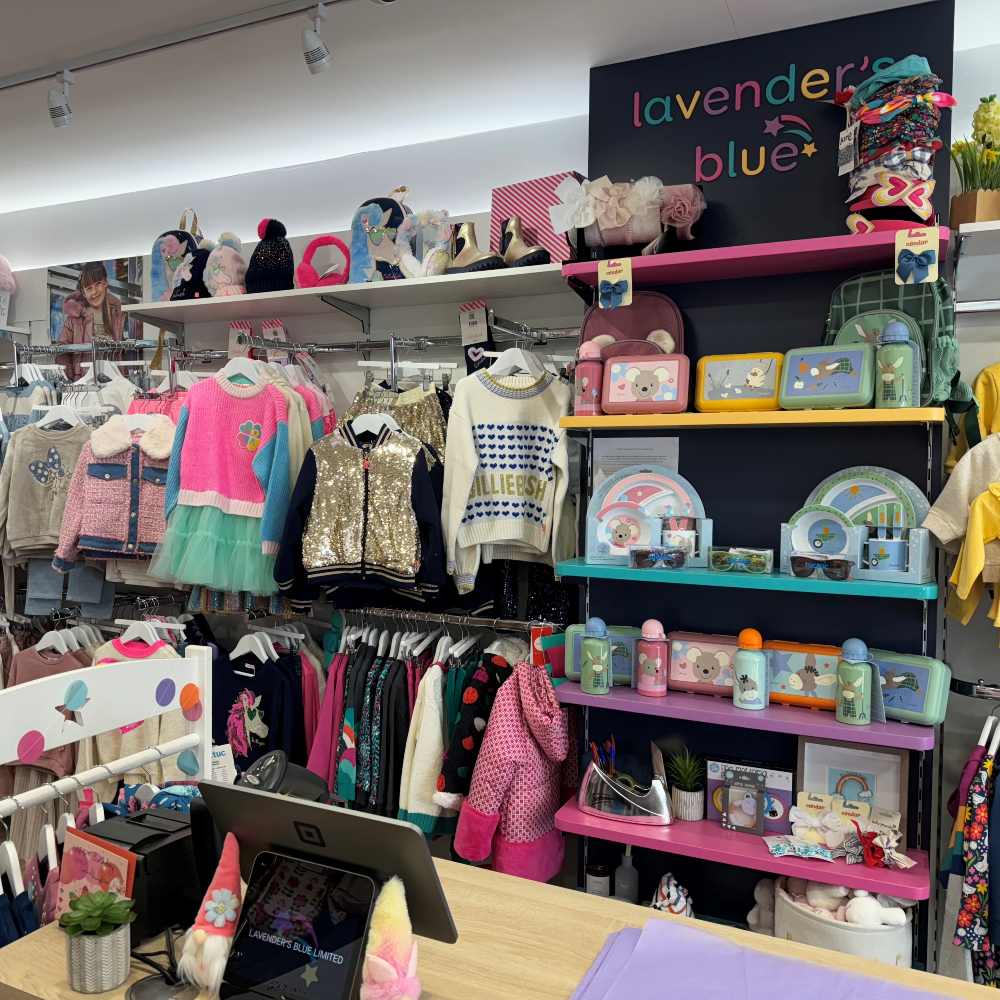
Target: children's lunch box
623, 639
738, 381
701, 663
835, 377
803, 674
914, 688
646, 383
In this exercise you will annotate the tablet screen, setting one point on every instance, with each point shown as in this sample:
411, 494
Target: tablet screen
301, 933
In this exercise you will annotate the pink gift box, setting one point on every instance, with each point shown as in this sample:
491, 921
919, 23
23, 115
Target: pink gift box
531, 200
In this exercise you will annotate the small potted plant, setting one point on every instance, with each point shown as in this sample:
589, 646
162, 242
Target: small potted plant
686, 772
98, 941
977, 163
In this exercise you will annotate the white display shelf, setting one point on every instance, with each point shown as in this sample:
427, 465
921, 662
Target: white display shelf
978, 306
506, 283
980, 238
12, 329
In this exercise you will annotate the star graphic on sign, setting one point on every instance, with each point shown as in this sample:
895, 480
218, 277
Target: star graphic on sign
809, 149
772, 126
309, 975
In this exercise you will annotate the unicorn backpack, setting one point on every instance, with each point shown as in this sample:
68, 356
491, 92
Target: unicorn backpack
374, 254
169, 252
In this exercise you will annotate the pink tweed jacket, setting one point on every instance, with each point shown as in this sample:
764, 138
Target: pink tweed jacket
515, 791
115, 506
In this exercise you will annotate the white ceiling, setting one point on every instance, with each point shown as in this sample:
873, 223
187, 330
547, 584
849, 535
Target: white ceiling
242, 102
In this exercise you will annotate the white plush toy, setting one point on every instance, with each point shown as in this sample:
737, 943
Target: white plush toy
866, 911
826, 897
761, 917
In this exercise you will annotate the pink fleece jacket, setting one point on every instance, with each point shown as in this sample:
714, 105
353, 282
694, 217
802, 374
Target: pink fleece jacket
231, 452
515, 792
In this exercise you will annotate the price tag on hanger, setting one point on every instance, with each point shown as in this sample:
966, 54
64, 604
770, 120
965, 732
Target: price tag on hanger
472, 317
614, 283
847, 149
917, 255
223, 764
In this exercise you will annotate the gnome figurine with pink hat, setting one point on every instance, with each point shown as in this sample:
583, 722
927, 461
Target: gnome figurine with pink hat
207, 943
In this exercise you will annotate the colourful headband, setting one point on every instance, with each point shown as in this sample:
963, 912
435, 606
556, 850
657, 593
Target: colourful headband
896, 190
860, 226
306, 276
884, 111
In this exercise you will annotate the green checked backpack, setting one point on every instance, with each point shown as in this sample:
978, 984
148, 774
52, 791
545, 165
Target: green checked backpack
860, 308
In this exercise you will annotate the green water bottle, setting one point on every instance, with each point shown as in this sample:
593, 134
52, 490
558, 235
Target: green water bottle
896, 363
751, 684
854, 684
595, 658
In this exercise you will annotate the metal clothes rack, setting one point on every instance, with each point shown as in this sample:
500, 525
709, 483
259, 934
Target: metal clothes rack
976, 689
467, 621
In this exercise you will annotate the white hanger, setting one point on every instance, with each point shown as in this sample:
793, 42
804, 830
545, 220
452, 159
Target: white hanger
994, 743
59, 412
104, 368
990, 719
52, 640
253, 643
397, 638
83, 635
147, 790
66, 822
138, 630
383, 643
514, 360
372, 423
95, 814
463, 646
47, 850
72, 643
428, 639
10, 865
241, 366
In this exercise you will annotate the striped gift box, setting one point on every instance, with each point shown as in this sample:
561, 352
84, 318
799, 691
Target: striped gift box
531, 200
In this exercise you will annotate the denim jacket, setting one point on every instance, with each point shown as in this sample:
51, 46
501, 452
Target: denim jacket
115, 506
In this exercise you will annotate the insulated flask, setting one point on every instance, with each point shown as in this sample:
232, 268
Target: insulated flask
588, 378
898, 368
750, 680
652, 654
854, 684
595, 657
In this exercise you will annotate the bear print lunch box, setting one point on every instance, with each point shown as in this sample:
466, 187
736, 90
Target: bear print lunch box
701, 663
647, 383
738, 381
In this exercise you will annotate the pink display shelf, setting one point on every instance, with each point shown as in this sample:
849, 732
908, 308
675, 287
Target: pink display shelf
774, 718
710, 842
758, 260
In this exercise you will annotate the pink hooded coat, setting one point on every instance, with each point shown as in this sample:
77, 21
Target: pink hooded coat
515, 792
78, 328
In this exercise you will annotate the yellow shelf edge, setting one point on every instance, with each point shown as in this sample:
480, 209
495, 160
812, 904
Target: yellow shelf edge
777, 418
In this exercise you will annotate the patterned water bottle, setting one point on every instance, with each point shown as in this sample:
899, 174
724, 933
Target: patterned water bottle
750, 679
897, 366
595, 658
854, 684
652, 652
587, 381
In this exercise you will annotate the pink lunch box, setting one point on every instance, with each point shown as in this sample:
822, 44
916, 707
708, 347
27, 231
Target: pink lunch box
701, 663
647, 383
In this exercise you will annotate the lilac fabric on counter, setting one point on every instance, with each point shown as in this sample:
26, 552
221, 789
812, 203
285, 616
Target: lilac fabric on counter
671, 959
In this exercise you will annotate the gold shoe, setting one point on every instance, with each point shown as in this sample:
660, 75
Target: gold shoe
465, 253
516, 251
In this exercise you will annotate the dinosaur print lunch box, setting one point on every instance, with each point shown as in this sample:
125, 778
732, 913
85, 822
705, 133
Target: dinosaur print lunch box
701, 663
803, 673
738, 381
646, 383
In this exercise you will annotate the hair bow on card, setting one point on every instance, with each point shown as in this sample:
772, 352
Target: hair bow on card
612, 293
575, 209
916, 264
823, 828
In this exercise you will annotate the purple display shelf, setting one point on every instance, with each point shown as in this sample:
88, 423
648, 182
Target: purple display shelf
757, 260
774, 718
708, 841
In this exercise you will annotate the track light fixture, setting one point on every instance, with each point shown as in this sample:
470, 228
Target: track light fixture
314, 51
60, 113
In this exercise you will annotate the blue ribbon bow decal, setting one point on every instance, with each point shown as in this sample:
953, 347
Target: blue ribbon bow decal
611, 295
916, 264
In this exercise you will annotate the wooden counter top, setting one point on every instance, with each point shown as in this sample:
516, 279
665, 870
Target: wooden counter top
518, 940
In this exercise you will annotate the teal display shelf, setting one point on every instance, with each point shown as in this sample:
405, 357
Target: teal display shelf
750, 581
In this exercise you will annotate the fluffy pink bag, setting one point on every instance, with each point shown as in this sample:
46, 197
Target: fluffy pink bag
390, 969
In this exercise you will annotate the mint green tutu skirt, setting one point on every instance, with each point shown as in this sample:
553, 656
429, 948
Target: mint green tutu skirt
207, 547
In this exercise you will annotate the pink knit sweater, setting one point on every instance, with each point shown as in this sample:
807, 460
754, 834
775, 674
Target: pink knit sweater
231, 452
515, 790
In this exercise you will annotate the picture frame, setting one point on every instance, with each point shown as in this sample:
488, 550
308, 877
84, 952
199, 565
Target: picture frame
859, 773
744, 800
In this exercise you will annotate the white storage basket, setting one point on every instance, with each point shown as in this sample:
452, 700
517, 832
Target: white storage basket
893, 945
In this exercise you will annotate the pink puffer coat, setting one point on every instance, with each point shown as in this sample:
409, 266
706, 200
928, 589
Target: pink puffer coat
515, 792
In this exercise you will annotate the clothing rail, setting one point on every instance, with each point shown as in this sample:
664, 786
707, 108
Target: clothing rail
496, 624
976, 689
515, 330
104, 772
352, 347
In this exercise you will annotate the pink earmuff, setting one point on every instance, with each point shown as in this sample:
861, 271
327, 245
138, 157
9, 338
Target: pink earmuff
306, 275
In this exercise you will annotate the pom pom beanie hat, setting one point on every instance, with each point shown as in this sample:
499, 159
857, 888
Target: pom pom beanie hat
272, 266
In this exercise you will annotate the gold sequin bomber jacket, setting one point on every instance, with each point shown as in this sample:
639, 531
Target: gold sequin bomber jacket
364, 514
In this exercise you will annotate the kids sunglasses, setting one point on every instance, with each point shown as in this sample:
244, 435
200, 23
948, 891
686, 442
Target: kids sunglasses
832, 567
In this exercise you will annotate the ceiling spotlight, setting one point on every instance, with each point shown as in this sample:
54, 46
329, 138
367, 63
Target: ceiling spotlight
314, 50
385, 3
60, 112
